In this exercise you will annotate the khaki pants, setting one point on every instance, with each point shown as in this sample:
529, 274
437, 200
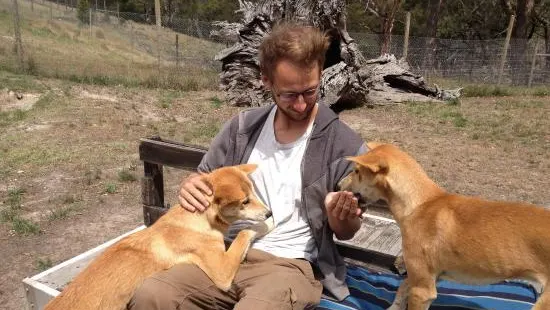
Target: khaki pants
263, 281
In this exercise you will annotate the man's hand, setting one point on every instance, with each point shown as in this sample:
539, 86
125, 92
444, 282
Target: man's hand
343, 214
193, 192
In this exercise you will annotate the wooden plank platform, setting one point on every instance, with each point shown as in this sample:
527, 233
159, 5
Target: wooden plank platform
379, 234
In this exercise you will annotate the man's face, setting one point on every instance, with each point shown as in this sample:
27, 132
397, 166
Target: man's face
295, 88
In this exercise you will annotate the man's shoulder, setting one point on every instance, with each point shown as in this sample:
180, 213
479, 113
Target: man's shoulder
249, 119
344, 134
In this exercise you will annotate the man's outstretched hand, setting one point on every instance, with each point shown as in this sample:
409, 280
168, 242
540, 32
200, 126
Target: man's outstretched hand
344, 214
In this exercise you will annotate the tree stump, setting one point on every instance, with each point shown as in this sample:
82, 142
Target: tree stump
348, 79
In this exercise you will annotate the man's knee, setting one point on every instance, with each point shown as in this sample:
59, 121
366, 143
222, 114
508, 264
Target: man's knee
290, 291
184, 286
154, 294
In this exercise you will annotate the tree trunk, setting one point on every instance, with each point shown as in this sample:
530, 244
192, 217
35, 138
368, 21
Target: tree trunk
519, 42
388, 18
347, 77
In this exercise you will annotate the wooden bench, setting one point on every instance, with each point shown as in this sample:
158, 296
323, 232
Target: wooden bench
375, 246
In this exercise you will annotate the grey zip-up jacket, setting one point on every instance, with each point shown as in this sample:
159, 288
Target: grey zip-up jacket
322, 167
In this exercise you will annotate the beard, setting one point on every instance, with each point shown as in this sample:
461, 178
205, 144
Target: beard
294, 115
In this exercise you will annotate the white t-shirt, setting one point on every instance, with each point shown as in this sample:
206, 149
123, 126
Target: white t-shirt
278, 183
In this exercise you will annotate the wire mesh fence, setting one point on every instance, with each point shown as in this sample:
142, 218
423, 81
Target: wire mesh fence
108, 47
476, 61
111, 46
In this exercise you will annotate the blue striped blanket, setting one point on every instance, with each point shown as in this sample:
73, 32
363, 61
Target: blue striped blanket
375, 291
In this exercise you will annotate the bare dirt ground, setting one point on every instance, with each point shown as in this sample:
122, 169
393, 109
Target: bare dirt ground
69, 166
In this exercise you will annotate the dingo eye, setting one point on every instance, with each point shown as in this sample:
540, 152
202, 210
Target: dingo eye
246, 201
356, 170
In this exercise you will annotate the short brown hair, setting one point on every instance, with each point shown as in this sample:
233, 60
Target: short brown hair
303, 45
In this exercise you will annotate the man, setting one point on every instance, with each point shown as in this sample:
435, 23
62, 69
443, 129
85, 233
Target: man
299, 146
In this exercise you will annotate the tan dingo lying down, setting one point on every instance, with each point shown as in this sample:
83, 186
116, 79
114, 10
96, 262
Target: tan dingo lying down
459, 238
177, 237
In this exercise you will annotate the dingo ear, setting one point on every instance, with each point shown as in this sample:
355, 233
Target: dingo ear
247, 168
374, 163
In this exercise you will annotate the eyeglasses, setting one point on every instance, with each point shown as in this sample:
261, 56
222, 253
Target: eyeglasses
308, 95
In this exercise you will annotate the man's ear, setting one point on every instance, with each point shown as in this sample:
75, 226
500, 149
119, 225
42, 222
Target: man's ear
267, 83
247, 168
374, 163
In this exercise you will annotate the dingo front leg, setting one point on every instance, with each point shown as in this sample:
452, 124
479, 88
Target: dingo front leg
400, 301
221, 267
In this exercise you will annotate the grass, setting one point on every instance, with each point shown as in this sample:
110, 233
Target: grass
20, 82
114, 55
42, 155
455, 117
505, 120
216, 102
62, 212
46, 100
110, 188
471, 89
14, 205
486, 91
14, 197
92, 175
43, 264
167, 98
126, 175
12, 215
10, 117
203, 132
8, 214
25, 227
13, 116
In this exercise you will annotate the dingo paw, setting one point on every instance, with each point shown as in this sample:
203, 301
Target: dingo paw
263, 228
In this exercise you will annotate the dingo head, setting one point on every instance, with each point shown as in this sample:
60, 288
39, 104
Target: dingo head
233, 194
389, 174
368, 178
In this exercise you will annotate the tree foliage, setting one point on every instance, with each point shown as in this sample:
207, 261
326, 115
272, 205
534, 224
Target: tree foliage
464, 19
453, 19
82, 10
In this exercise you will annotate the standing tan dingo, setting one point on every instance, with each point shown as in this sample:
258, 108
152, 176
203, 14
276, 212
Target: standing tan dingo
460, 238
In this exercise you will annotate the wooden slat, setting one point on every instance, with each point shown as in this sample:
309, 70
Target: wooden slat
152, 213
357, 254
152, 185
378, 234
169, 153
